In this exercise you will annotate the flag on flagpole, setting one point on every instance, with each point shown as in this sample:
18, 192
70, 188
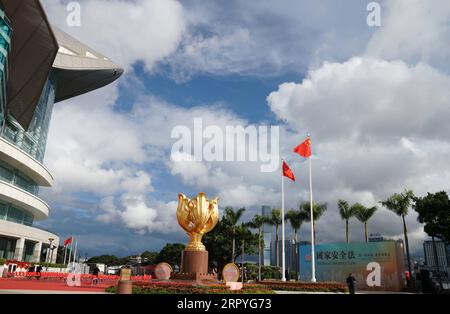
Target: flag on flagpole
68, 241
287, 172
304, 149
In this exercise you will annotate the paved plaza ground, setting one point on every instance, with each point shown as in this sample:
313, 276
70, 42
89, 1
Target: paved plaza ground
33, 286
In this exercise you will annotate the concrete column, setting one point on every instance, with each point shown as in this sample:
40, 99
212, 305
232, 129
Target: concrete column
20, 244
55, 253
47, 256
37, 252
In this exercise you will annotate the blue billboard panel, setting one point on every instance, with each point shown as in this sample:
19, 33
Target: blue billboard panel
376, 265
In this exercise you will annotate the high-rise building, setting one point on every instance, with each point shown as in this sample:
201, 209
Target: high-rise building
267, 235
39, 66
441, 253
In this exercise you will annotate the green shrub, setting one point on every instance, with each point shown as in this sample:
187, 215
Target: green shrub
2, 261
306, 286
189, 288
50, 265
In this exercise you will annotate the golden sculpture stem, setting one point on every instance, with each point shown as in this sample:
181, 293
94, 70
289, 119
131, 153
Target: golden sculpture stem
195, 242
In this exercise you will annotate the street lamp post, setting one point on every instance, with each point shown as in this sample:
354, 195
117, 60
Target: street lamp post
51, 251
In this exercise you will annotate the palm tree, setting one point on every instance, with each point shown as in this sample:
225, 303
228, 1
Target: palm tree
296, 219
399, 204
364, 214
258, 223
233, 217
275, 220
346, 213
245, 235
318, 210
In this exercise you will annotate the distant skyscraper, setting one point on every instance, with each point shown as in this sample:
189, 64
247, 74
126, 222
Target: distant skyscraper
267, 236
442, 254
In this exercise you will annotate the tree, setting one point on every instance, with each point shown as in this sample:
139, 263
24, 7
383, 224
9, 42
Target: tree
296, 219
275, 220
219, 247
151, 257
233, 217
171, 254
364, 214
434, 212
248, 242
258, 223
108, 260
399, 204
318, 210
346, 213
218, 244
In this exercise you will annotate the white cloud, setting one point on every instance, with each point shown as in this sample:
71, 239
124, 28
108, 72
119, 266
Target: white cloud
267, 38
125, 31
363, 97
378, 127
413, 30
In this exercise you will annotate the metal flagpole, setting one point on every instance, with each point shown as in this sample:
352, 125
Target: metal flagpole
70, 254
283, 257
65, 253
75, 254
313, 257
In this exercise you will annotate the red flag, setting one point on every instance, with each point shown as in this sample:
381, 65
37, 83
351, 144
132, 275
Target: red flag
287, 172
68, 241
304, 149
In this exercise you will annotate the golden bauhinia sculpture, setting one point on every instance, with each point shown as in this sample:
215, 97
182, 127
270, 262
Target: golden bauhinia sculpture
197, 216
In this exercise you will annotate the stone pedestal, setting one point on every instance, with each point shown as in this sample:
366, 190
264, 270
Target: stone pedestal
194, 262
194, 266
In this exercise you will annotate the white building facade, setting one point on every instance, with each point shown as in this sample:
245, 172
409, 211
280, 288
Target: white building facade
39, 66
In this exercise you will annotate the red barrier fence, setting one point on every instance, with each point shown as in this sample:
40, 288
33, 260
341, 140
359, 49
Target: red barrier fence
83, 277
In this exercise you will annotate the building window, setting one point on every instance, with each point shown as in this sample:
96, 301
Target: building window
16, 178
7, 248
45, 249
28, 251
16, 215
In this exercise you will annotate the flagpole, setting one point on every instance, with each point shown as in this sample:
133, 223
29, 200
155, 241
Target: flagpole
75, 253
283, 257
70, 254
313, 257
65, 253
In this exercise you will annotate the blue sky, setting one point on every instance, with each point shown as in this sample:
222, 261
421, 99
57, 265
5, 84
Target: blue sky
375, 100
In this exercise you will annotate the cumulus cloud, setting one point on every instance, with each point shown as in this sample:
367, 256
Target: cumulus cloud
386, 99
378, 127
125, 31
112, 157
267, 38
414, 31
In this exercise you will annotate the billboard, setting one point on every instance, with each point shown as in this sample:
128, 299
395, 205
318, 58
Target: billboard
375, 265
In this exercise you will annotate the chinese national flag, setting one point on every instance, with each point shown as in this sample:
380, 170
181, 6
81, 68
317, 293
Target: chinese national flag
287, 172
68, 241
304, 149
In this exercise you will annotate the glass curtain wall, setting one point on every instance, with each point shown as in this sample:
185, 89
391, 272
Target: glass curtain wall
34, 140
5, 48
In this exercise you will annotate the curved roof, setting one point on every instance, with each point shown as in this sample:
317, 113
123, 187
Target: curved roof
33, 51
80, 69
